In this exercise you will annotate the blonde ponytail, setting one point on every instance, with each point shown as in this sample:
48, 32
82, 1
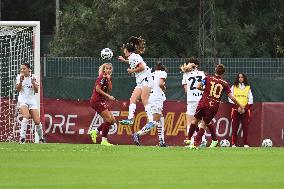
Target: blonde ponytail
187, 67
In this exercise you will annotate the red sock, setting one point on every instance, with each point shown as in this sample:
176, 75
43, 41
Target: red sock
191, 130
212, 131
101, 127
105, 129
198, 137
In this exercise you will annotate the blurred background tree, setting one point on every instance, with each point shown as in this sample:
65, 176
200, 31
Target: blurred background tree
243, 28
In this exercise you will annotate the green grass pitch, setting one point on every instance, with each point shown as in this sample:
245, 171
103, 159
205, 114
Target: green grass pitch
82, 166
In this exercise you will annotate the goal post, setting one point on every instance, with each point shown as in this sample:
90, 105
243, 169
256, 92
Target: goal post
19, 43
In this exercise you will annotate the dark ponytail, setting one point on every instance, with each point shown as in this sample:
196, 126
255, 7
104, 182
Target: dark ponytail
135, 45
161, 66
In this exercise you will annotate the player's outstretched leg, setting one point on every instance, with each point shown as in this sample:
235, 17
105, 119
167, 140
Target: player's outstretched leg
136, 139
143, 131
129, 120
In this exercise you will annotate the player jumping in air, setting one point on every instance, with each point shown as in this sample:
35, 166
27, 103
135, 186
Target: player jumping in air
132, 50
156, 100
101, 93
27, 85
213, 87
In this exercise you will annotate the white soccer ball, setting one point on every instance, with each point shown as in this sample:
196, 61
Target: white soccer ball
225, 143
267, 143
106, 54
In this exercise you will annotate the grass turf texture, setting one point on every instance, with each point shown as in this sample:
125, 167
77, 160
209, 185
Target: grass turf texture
93, 166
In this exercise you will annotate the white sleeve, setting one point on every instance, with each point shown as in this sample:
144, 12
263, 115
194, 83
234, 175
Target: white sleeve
250, 97
134, 60
203, 75
164, 75
232, 92
183, 80
18, 79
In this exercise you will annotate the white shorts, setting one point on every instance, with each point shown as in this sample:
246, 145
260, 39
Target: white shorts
146, 82
30, 104
156, 104
191, 107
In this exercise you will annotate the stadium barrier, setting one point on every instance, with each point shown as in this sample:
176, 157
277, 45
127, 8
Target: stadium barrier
73, 77
69, 121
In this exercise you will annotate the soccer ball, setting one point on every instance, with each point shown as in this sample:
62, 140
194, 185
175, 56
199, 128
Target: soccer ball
267, 143
106, 54
225, 143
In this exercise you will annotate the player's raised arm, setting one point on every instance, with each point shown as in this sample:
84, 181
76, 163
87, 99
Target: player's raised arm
122, 59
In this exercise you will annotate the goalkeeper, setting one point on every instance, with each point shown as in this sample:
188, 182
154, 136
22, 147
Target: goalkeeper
27, 86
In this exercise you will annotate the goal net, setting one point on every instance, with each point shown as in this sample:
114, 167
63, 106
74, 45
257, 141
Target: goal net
19, 43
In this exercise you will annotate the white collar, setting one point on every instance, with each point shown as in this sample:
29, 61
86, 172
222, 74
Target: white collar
242, 85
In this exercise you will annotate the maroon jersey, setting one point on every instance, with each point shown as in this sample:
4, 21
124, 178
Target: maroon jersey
103, 82
208, 105
215, 86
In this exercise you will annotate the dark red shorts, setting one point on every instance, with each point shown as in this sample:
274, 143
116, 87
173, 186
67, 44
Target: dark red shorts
99, 106
205, 113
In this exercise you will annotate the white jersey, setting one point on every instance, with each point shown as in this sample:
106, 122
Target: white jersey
156, 89
27, 92
191, 79
157, 95
134, 60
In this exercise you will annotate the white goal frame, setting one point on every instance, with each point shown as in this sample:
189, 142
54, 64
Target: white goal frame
36, 68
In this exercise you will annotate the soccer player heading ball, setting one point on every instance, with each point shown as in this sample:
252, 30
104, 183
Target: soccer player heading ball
132, 50
27, 85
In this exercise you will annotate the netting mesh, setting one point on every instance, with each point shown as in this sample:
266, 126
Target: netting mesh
16, 47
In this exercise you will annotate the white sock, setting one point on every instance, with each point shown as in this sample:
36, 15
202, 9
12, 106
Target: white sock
39, 131
147, 128
192, 138
23, 130
203, 138
149, 112
131, 111
161, 130
96, 130
187, 128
